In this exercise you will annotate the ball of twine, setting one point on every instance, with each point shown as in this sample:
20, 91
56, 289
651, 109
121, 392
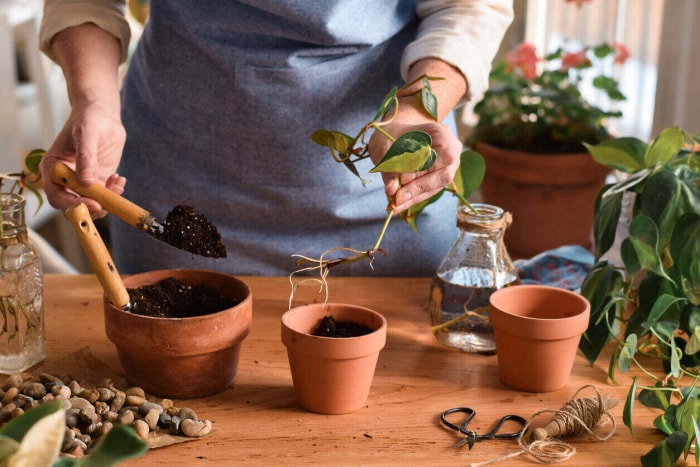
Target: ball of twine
576, 416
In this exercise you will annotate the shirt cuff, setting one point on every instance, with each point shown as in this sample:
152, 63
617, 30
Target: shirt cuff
60, 15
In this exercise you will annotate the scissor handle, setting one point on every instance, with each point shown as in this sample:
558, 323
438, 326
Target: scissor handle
463, 428
494, 433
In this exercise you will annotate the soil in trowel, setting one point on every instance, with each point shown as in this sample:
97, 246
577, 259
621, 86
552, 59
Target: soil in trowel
190, 231
172, 298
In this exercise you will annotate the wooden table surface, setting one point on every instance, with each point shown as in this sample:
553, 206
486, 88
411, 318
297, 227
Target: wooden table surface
256, 420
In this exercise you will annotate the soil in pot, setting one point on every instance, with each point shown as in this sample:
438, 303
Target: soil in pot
329, 327
188, 230
173, 298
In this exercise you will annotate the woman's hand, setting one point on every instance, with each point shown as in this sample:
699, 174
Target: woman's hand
92, 139
91, 142
407, 189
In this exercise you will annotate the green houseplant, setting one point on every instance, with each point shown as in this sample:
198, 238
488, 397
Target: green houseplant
650, 305
411, 152
532, 123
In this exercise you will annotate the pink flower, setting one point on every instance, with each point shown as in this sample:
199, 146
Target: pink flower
525, 59
575, 60
622, 53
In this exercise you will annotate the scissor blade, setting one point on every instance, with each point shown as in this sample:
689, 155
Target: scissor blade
468, 440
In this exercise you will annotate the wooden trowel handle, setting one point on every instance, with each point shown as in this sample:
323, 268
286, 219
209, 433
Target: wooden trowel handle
98, 255
124, 209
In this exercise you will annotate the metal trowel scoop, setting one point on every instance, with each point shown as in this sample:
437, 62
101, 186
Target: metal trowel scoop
98, 256
200, 238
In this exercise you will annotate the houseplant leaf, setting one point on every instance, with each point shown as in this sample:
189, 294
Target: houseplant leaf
19, 426
470, 173
666, 452
412, 152
685, 246
624, 154
386, 103
644, 237
598, 287
666, 145
119, 444
41, 444
607, 218
687, 412
629, 406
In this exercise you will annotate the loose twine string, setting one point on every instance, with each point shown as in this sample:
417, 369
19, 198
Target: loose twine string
573, 418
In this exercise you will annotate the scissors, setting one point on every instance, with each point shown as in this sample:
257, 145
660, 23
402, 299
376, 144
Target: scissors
471, 436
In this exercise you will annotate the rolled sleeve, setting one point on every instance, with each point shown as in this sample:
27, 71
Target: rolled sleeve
464, 33
62, 14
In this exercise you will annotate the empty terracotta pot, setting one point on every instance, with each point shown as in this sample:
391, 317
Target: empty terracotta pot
537, 330
181, 357
332, 375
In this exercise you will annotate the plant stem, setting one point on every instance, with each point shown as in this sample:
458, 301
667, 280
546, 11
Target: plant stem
476, 312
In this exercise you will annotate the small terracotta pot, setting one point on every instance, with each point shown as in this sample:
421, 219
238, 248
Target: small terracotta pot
537, 330
332, 375
181, 357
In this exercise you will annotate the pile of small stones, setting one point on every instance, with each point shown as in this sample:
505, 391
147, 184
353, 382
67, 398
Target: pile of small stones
91, 413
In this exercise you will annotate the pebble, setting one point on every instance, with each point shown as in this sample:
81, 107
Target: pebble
92, 413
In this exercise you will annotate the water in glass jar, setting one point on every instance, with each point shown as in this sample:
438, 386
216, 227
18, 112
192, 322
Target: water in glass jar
21, 316
452, 294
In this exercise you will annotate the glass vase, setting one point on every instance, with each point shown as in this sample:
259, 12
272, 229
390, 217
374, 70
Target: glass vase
22, 342
476, 266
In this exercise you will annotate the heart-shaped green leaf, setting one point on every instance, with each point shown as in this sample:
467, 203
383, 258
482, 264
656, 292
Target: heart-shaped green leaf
624, 154
666, 452
666, 145
470, 174
685, 246
412, 152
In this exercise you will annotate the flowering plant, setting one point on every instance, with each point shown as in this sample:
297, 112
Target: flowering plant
535, 104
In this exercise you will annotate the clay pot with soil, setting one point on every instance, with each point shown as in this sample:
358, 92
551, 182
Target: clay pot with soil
537, 329
332, 375
177, 332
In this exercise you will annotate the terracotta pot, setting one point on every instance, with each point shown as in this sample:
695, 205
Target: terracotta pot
551, 197
181, 357
537, 329
332, 375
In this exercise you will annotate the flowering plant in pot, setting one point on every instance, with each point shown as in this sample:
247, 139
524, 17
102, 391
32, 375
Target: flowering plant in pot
532, 123
650, 305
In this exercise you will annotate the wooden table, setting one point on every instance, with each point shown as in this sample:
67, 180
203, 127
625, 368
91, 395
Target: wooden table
256, 421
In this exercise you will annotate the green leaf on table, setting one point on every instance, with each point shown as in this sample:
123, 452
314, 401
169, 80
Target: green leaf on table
685, 246
666, 452
598, 286
664, 147
624, 154
627, 353
629, 406
412, 152
470, 174
696, 430
666, 422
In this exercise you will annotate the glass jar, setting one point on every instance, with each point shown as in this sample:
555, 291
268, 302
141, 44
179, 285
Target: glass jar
21, 291
476, 266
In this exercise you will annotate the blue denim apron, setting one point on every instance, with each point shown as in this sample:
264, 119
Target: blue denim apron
219, 102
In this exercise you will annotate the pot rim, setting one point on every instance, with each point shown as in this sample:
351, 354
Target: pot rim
524, 298
178, 273
296, 339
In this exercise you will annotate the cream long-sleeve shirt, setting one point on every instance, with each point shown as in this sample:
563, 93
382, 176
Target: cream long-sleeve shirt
464, 33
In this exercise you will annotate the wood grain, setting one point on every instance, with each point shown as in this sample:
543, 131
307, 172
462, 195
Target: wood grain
256, 420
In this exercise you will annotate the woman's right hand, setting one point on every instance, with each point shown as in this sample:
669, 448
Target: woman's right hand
91, 142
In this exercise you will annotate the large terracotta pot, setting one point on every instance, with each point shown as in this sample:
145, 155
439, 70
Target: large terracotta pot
332, 375
551, 197
537, 329
181, 357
